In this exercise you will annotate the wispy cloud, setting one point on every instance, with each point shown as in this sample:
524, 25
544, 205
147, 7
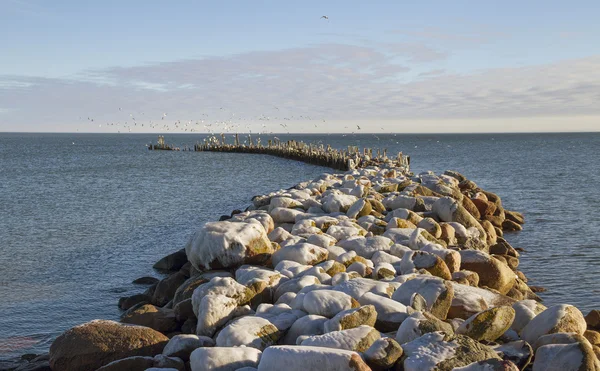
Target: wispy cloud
333, 81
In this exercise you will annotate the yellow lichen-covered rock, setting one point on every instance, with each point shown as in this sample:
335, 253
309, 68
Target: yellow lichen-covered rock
488, 325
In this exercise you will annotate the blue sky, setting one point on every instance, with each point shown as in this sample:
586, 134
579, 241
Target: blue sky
441, 66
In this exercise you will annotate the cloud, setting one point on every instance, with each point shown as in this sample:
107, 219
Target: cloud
329, 81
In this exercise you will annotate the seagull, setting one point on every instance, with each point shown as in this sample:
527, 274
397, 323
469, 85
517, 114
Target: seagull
326, 17
358, 127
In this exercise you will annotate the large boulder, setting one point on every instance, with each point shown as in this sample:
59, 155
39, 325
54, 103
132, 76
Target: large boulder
301, 358
99, 342
351, 318
436, 292
172, 262
443, 352
469, 300
566, 357
488, 325
249, 331
559, 318
383, 354
166, 288
419, 324
451, 210
492, 272
229, 244
303, 253
159, 319
390, 313
224, 358
183, 345
328, 303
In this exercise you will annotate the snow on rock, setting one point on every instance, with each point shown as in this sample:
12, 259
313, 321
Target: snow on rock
438, 294
249, 331
224, 358
565, 357
558, 318
256, 215
227, 245
182, 345
337, 202
303, 253
357, 339
285, 215
525, 310
366, 246
302, 358
390, 313
327, 303
418, 324
305, 326
351, 318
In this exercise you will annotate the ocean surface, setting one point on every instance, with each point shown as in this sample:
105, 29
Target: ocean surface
82, 215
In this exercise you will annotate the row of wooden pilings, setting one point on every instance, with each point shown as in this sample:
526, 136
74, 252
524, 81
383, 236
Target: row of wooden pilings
317, 154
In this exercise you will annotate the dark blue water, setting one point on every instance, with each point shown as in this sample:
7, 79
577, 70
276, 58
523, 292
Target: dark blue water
81, 216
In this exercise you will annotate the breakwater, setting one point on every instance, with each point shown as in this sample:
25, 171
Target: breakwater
349, 158
370, 269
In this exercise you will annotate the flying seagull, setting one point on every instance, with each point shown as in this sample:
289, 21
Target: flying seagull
326, 17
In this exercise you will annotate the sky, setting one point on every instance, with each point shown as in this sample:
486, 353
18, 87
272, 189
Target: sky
279, 66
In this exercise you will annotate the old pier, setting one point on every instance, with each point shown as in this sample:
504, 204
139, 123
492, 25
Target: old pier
347, 158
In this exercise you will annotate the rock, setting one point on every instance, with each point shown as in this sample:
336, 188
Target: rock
558, 318
492, 272
184, 310
565, 357
366, 246
351, 318
510, 226
514, 216
224, 359
172, 262
525, 310
159, 319
438, 294
213, 312
471, 207
593, 319
442, 352
166, 288
162, 362
415, 260
333, 202
390, 313
431, 226
592, 336
137, 363
145, 281
186, 289
301, 358
229, 244
327, 303
488, 325
383, 354
258, 215
305, 326
359, 208
100, 342
450, 210
518, 352
182, 346
249, 331
489, 365
466, 278
303, 253
356, 339
129, 301
469, 300
285, 215
484, 207
419, 324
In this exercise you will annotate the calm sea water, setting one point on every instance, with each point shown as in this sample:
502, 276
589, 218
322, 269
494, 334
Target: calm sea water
81, 216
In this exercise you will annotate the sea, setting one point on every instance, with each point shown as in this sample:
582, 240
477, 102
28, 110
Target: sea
83, 215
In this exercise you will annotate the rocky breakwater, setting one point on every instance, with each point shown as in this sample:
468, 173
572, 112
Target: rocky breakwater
372, 269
